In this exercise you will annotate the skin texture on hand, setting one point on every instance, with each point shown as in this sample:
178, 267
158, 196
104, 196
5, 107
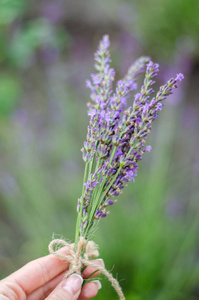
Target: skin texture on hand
43, 279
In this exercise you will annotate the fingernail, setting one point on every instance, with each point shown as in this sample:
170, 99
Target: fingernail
73, 284
98, 283
101, 262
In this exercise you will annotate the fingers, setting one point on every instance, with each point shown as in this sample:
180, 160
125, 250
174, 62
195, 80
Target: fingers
46, 289
90, 270
38, 272
68, 289
90, 290
42, 292
10, 290
39, 277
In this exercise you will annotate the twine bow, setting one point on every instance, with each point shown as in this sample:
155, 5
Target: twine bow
77, 261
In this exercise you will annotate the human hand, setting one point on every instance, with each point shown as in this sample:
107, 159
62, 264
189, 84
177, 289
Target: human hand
43, 279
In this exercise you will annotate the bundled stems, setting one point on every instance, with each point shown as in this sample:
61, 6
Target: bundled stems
117, 133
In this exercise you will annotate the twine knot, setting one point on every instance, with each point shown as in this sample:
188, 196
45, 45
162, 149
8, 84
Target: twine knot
77, 261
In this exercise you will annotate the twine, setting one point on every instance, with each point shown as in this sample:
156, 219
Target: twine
77, 261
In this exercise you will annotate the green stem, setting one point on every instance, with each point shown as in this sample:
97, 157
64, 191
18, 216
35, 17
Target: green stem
95, 201
78, 224
91, 166
109, 186
77, 232
96, 191
112, 155
100, 196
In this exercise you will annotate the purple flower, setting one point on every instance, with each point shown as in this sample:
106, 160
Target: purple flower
179, 77
96, 79
105, 42
110, 202
87, 184
148, 148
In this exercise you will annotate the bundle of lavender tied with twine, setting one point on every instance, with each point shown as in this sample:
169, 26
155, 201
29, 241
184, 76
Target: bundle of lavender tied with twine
116, 141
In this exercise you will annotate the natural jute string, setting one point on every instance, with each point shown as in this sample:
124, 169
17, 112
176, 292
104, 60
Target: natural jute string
77, 261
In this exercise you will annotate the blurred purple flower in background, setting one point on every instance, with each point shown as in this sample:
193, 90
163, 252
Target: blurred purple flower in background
52, 10
49, 54
129, 49
21, 117
189, 117
174, 208
8, 184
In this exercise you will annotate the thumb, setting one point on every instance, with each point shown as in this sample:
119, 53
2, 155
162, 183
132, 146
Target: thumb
68, 289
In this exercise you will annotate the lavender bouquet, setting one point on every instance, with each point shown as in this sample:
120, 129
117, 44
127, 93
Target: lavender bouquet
115, 143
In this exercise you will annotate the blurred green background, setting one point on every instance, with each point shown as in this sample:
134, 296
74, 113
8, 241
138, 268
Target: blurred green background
150, 239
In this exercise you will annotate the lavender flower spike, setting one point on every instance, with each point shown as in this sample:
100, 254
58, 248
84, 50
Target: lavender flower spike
117, 133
